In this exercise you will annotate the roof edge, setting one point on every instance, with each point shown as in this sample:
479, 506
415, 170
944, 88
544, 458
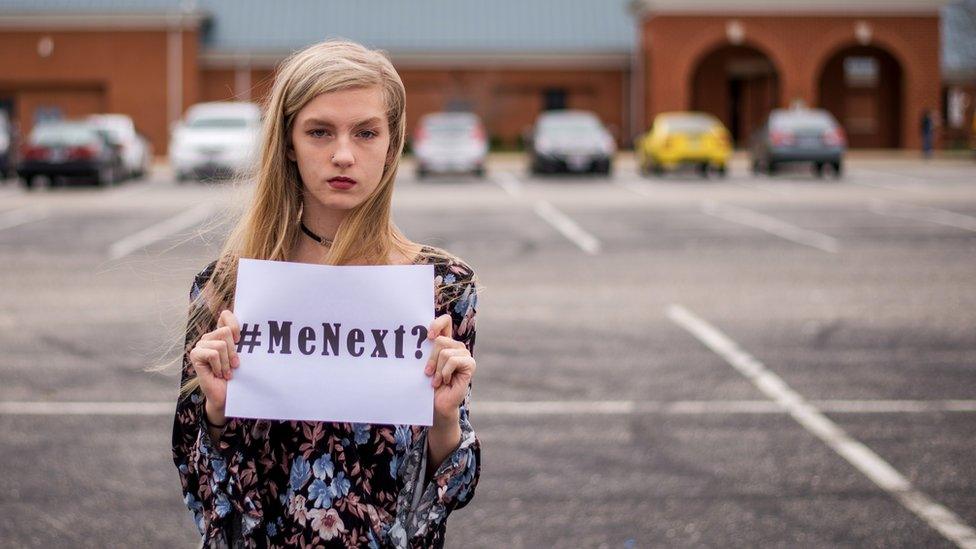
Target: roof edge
32, 21
643, 8
420, 60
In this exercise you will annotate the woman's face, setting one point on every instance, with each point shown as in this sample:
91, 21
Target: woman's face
339, 141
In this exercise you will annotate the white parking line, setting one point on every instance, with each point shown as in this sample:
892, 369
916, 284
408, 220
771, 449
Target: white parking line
160, 231
587, 242
923, 213
814, 421
507, 181
546, 407
771, 225
638, 188
20, 216
768, 187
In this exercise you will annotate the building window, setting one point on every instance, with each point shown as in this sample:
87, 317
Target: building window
861, 72
554, 99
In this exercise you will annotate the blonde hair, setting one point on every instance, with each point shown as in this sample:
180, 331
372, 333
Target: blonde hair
270, 226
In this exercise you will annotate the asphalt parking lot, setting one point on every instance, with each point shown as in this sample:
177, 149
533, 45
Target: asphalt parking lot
741, 362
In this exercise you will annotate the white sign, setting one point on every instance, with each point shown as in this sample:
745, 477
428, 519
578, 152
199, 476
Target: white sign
328, 343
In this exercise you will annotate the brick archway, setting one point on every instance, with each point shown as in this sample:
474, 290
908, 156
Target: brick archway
739, 84
863, 86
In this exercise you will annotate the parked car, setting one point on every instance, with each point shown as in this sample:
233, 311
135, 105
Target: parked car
214, 140
135, 149
679, 139
6, 145
69, 149
450, 142
570, 140
799, 136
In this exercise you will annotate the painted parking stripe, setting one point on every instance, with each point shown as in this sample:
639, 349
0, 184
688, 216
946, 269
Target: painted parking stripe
813, 420
160, 231
636, 187
923, 213
20, 216
547, 407
508, 182
771, 225
569, 228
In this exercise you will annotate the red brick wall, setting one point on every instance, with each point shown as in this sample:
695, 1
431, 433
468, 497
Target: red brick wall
89, 72
508, 100
799, 47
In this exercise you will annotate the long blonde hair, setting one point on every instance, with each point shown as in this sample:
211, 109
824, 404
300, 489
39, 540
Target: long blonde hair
270, 226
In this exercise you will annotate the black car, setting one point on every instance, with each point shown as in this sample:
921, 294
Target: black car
792, 136
61, 150
570, 141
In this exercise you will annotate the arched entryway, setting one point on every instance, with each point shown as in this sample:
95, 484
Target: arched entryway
739, 85
862, 87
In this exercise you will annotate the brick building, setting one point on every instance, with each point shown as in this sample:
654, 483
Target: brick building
875, 64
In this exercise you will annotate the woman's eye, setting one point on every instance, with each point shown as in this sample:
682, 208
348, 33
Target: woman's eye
368, 134
317, 133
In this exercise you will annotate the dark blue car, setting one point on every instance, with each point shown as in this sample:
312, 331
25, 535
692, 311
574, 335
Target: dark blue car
791, 136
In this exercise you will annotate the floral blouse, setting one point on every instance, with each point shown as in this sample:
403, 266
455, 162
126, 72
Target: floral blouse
305, 483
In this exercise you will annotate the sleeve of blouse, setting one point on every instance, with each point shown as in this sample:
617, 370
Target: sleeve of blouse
214, 488
422, 509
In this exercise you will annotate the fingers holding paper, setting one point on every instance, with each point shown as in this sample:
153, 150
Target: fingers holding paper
450, 366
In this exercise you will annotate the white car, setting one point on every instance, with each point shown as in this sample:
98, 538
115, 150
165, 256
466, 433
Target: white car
215, 140
135, 150
450, 142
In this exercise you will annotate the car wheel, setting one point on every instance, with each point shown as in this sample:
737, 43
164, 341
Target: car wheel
756, 167
722, 171
657, 169
103, 177
479, 171
818, 169
771, 168
703, 170
28, 181
838, 169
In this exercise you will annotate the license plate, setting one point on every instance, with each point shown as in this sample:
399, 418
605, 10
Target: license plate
58, 155
577, 162
810, 142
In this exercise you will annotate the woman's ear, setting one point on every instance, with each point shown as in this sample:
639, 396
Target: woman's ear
290, 151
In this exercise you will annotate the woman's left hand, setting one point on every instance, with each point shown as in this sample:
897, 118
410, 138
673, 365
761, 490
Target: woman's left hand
451, 368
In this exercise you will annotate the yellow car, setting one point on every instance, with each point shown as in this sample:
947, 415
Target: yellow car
679, 139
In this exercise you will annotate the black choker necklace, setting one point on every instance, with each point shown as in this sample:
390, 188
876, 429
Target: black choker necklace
313, 236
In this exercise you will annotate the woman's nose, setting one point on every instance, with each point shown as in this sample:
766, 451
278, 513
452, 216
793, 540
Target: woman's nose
343, 156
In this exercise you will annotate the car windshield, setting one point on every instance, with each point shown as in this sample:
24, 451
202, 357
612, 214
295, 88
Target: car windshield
689, 123
62, 134
809, 121
217, 123
450, 127
570, 126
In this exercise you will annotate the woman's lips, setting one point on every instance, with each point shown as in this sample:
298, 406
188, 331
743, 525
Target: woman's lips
341, 183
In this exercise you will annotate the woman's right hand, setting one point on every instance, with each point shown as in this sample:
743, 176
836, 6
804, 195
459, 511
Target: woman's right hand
213, 358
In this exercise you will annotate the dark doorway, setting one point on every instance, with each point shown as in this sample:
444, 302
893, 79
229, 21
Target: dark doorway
862, 87
739, 85
554, 99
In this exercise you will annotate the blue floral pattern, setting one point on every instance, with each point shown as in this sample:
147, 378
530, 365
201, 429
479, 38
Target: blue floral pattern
295, 483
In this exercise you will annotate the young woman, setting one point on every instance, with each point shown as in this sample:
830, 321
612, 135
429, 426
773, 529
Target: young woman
332, 137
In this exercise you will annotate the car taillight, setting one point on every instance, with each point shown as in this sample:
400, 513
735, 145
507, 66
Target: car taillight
82, 152
835, 137
419, 135
478, 133
33, 152
781, 138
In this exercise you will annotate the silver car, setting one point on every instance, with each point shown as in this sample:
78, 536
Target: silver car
571, 141
450, 142
216, 139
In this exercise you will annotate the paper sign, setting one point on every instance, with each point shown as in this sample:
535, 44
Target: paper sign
333, 343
